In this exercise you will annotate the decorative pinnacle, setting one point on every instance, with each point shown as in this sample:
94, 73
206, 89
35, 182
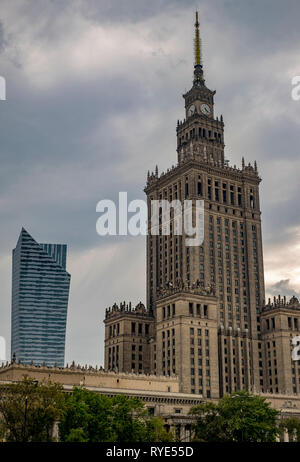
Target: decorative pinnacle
197, 43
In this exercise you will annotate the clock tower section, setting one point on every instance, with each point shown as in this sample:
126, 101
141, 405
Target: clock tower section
200, 135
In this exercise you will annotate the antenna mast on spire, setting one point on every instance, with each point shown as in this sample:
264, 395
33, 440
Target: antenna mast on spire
197, 43
198, 71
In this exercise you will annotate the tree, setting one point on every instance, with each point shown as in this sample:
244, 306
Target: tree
132, 423
29, 410
156, 432
240, 417
91, 417
86, 417
292, 426
209, 425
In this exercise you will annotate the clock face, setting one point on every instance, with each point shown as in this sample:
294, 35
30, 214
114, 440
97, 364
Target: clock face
191, 110
205, 109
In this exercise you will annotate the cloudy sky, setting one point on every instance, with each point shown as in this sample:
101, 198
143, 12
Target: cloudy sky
93, 95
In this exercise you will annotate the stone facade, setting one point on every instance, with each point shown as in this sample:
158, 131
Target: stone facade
128, 332
280, 322
187, 340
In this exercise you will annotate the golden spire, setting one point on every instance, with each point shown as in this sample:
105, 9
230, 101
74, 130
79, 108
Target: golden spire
198, 71
197, 43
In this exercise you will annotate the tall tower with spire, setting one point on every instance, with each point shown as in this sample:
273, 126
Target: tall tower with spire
206, 319
219, 284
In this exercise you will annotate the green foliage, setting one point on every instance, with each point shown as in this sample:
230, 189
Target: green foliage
210, 425
156, 432
128, 419
84, 417
77, 435
29, 409
239, 417
292, 426
92, 417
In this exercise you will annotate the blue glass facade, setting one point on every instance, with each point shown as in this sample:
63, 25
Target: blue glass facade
40, 293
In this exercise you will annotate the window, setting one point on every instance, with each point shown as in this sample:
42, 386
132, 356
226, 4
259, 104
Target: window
191, 309
151, 411
186, 189
199, 188
209, 192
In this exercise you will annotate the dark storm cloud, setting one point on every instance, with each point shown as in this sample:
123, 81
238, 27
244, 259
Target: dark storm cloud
94, 92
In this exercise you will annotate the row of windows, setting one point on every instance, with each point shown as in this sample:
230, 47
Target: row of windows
270, 323
134, 366
201, 133
200, 381
223, 192
136, 328
192, 351
163, 334
198, 310
168, 311
139, 328
208, 394
199, 331
223, 195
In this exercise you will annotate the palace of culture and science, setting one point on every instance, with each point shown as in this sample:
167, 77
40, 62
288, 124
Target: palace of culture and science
206, 319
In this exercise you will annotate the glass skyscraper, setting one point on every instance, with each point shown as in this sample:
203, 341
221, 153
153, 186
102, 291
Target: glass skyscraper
40, 293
